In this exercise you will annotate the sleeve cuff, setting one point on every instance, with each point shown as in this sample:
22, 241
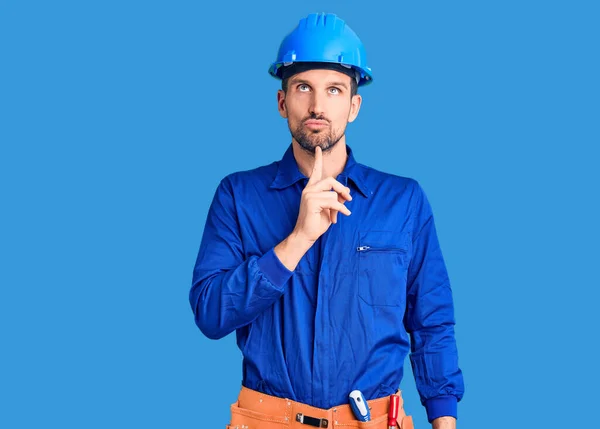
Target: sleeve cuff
273, 269
441, 406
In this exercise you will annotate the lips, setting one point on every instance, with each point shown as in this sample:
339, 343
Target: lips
315, 123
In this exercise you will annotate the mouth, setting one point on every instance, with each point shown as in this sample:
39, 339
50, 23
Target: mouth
315, 123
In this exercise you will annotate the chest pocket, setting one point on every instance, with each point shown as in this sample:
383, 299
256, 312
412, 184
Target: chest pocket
383, 258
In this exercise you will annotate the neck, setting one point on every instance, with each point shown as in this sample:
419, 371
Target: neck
334, 160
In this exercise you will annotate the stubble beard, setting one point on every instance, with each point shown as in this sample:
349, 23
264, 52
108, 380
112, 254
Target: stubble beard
308, 140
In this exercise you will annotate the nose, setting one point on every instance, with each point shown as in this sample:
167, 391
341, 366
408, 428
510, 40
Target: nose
317, 104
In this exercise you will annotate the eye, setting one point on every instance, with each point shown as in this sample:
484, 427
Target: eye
303, 87
334, 90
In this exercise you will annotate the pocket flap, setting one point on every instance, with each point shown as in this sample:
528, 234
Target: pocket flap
383, 240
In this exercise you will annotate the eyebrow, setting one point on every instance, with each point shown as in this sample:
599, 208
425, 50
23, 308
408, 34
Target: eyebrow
345, 85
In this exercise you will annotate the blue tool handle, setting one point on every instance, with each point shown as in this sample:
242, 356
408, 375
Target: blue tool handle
359, 406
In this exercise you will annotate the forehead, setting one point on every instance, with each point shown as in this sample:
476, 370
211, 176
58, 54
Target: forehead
321, 76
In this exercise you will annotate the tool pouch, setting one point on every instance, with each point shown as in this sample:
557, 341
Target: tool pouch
406, 423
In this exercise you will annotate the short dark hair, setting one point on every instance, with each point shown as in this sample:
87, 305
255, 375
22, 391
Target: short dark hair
353, 86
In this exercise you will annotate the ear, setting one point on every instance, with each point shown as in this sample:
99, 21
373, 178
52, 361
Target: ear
354, 107
281, 103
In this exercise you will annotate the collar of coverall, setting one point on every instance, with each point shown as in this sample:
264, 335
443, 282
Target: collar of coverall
288, 172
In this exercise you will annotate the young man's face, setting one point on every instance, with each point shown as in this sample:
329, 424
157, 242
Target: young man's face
318, 106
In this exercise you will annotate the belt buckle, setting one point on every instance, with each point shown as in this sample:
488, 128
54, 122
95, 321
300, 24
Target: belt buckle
312, 421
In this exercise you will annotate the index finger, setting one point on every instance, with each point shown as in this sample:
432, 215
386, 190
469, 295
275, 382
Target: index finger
317, 172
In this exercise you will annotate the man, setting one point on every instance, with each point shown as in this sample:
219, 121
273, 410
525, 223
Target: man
325, 267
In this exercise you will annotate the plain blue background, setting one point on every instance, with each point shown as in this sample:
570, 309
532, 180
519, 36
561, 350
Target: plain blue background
119, 118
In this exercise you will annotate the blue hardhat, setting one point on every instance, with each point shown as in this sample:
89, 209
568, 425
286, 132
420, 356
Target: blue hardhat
323, 38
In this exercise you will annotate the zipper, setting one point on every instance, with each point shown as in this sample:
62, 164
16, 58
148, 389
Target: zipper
379, 249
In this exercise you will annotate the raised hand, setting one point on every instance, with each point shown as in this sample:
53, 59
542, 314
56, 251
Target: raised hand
322, 199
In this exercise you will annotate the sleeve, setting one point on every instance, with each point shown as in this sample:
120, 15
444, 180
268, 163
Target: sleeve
429, 318
228, 290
